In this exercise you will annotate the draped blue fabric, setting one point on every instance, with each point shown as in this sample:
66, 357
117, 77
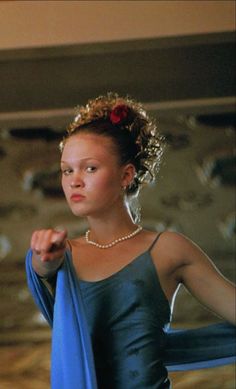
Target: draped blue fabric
205, 347
72, 364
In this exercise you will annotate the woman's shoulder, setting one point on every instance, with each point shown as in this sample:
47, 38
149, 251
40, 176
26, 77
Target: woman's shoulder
177, 239
166, 237
172, 245
75, 243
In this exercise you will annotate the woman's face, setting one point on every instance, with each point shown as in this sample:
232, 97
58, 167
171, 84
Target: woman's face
92, 178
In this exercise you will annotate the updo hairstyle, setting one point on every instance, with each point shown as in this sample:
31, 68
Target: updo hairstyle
134, 134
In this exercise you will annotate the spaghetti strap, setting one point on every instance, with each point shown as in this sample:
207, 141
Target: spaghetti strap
69, 245
155, 240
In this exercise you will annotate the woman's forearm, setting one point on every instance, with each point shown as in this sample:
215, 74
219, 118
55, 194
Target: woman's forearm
46, 268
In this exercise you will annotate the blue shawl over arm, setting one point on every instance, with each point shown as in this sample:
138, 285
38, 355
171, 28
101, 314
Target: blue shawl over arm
72, 364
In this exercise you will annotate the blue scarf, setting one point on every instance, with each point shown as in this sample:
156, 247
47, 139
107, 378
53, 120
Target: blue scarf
72, 363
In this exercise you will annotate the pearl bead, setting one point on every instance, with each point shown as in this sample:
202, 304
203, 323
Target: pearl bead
114, 242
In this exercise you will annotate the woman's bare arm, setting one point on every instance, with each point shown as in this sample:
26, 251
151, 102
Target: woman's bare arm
197, 272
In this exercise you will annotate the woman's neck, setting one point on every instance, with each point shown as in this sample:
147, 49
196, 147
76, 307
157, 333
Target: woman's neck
111, 227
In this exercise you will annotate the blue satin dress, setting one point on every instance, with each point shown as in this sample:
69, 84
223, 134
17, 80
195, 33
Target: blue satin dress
127, 314
114, 334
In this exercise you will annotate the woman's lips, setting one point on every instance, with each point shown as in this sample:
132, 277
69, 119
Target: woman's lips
77, 197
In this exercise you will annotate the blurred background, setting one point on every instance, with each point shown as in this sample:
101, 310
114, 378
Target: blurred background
178, 59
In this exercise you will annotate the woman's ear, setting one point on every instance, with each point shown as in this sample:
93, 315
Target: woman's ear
128, 174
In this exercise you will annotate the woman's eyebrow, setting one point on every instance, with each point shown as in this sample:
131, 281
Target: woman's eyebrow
81, 160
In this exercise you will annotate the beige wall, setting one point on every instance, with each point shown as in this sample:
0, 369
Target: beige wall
42, 23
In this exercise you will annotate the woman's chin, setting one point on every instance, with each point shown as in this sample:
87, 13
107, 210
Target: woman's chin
79, 212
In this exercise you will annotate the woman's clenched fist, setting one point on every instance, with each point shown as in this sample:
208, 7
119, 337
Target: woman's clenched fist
48, 248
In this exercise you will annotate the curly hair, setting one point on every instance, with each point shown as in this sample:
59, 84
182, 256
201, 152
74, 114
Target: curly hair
134, 134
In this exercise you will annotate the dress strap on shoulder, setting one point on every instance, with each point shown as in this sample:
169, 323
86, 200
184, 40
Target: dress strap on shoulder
155, 240
69, 245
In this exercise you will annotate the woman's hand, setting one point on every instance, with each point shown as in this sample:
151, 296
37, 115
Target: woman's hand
48, 248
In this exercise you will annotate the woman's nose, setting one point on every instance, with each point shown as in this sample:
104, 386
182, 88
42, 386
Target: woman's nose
76, 182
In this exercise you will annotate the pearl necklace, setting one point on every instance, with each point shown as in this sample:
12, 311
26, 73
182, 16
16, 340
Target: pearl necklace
107, 246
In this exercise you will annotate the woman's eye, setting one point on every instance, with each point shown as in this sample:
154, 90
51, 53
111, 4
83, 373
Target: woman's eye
66, 172
91, 169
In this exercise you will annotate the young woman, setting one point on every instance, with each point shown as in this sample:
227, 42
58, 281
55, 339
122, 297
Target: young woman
124, 277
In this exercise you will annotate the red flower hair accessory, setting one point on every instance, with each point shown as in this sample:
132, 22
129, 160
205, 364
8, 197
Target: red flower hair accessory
119, 114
